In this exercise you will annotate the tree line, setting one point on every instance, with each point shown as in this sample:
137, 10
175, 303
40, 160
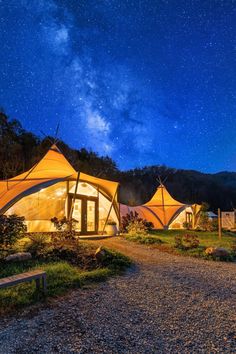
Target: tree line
21, 149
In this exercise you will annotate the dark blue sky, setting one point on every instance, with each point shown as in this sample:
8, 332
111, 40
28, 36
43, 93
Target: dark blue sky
145, 82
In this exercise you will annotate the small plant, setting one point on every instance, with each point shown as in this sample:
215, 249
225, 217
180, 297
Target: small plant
67, 227
137, 227
38, 244
132, 221
187, 225
111, 222
12, 228
179, 242
186, 242
60, 224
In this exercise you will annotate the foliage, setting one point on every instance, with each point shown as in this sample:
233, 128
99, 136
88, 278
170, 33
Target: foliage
133, 224
114, 260
65, 226
111, 222
204, 222
186, 241
61, 276
137, 227
37, 244
187, 225
60, 224
12, 227
144, 239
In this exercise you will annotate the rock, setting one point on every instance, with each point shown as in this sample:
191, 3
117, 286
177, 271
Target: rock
217, 252
18, 257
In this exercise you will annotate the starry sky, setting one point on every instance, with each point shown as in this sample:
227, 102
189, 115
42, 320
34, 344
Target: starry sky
143, 81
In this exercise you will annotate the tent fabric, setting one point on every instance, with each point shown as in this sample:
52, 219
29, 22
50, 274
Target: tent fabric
143, 212
161, 209
53, 168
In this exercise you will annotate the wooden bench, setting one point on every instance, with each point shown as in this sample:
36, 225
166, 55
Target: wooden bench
36, 275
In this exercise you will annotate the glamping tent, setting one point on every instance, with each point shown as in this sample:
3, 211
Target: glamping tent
163, 210
52, 188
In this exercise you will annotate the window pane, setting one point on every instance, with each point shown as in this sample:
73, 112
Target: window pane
84, 189
77, 214
42, 205
90, 215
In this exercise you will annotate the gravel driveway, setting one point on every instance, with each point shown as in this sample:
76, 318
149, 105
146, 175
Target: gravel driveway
165, 304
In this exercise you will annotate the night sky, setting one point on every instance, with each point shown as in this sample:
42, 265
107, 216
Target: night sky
144, 82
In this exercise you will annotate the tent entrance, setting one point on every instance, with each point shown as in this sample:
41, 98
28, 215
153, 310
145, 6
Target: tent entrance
85, 213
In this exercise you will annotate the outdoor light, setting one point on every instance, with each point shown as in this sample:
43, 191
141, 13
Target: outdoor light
60, 192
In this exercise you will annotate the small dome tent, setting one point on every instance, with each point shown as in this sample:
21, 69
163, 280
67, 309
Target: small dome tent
162, 210
50, 188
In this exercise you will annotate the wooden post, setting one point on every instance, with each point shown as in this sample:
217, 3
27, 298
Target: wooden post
44, 282
219, 224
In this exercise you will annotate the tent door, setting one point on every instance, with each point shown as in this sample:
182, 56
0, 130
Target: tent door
85, 212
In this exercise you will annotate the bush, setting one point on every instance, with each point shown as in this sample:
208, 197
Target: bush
12, 228
111, 222
133, 224
137, 227
37, 244
186, 242
187, 225
65, 226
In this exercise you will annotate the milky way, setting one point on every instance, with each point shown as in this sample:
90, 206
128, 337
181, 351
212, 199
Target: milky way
144, 82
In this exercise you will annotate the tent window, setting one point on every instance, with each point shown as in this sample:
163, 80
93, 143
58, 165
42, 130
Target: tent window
42, 205
83, 188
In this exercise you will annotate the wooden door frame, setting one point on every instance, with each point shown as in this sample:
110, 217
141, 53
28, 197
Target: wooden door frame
84, 199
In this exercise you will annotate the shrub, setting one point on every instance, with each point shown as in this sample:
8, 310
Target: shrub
204, 223
37, 244
137, 227
179, 242
66, 227
72, 251
187, 225
132, 224
12, 228
111, 222
186, 242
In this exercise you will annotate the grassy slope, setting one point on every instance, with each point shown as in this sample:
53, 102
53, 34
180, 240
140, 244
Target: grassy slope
61, 276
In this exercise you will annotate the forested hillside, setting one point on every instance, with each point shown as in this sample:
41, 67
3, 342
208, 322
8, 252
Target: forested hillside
20, 149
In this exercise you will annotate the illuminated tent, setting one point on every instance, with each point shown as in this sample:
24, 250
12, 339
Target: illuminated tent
52, 188
162, 210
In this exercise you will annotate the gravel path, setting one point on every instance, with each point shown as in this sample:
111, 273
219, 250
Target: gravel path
165, 304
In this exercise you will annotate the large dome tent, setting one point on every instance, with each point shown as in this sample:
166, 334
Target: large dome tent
50, 188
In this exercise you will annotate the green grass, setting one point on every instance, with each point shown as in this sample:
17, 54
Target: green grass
61, 276
164, 240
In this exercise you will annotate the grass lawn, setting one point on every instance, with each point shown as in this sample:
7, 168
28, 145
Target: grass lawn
61, 276
165, 240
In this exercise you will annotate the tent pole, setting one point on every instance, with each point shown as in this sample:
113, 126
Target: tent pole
73, 202
109, 211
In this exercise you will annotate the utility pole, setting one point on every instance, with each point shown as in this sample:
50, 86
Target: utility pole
219, 224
